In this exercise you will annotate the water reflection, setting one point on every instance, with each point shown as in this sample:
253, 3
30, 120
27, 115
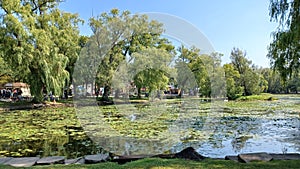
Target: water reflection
276, 131
47, 132
251, 135
69, 147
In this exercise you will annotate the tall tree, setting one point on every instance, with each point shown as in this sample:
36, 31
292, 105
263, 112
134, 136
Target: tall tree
249, 79
216, 75
118, 35
185, 79
206, 71
151, 69
38, 40
274, 81
192, 60
294, 83
232, 76
82, 42
263, 78
86, 66
284, 49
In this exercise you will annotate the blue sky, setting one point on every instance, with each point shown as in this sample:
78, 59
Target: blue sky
226, 24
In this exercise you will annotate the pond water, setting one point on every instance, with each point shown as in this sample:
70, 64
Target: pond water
213, 129
272, 127
45, 132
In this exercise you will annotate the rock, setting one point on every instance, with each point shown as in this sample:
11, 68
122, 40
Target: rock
92, 159
232, 158
22, 162
4, 159
246, 158
72, 161
288, 156
189, 153
51, 160
81, 161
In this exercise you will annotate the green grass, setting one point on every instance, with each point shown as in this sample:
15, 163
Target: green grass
154, 163
262, 96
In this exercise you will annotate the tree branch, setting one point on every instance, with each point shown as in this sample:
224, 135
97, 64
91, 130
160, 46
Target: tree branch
5, 10
38, 6
35, 6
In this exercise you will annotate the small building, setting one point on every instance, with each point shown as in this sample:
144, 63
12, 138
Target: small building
19, 85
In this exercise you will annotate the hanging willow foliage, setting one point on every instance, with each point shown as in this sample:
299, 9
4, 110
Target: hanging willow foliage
284, 49
37, 40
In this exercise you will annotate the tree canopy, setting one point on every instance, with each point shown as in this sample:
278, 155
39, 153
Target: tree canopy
151, 69
200, 72
38, 40
6, 74
116, 37
284, 49
248, 78
40, 45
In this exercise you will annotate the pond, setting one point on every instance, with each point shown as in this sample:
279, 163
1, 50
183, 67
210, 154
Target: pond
44, 132
214, 129
273, 129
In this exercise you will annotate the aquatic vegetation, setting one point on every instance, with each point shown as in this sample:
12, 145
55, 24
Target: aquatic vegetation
44, 132
216, 128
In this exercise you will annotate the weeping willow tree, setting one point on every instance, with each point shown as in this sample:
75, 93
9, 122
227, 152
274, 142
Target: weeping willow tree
284, 49
6, 75
37, 40
117, 35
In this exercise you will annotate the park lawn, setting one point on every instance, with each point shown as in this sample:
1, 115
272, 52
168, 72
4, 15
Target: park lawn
156, 163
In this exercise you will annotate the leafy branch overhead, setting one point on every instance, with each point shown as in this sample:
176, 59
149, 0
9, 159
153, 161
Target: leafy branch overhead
284, 49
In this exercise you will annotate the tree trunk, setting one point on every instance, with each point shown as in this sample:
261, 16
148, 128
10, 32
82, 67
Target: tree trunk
74, 92
86, 88
139, 93
106, 93
245, 88
180, 94
39, 96
92, 89
195, 92
117, 93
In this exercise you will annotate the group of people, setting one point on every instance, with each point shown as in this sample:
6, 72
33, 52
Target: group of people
13, 94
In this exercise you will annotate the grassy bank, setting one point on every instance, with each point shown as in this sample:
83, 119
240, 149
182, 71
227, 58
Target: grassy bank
153, 163
262, 96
